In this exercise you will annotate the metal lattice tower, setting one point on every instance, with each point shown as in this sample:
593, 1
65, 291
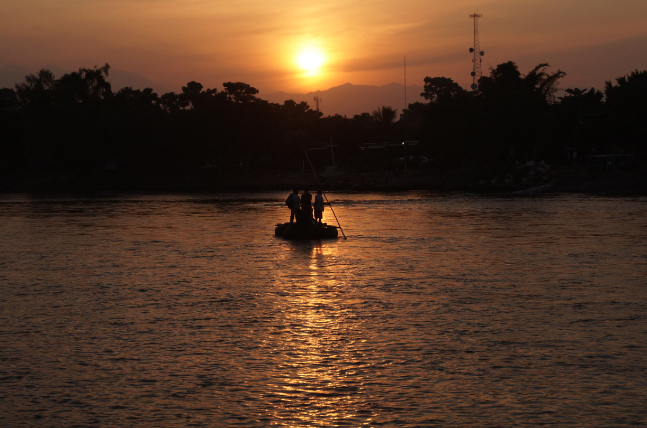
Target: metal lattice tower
478, 53
317, 101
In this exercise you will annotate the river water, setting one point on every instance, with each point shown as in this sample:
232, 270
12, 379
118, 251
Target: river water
438, 310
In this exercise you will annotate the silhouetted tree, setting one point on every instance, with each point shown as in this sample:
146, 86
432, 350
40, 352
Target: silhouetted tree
36, 89
516, 119
629, 95
170, 102
542, 83
581, 117
627, 107
385, 115
240, 92
137, 98
190, 94
441, 89
88, 85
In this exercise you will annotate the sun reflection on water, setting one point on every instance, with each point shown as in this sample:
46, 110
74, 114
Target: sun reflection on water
318, 379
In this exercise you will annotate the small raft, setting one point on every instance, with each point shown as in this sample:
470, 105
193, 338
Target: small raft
288, 231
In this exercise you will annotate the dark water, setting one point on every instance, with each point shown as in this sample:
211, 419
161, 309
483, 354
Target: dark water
437, 311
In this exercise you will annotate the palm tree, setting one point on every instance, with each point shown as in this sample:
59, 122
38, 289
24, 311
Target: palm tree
385, 115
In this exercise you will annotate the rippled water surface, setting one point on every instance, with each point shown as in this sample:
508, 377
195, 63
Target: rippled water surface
148, 310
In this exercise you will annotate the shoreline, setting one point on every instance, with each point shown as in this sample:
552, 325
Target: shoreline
566, 179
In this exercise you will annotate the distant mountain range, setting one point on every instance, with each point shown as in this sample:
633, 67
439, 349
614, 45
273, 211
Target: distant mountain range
11, 74
349, 100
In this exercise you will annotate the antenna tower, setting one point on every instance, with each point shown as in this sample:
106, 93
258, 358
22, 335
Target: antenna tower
478, 53
317, 101
405, 82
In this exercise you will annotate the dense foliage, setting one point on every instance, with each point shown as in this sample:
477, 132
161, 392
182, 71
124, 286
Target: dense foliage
77, 125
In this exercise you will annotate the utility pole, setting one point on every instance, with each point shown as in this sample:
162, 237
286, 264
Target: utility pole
332, 152
478, 53
405, 158
405, 82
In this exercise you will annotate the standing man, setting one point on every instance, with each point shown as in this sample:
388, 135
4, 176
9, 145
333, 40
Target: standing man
319, 206
293, 202
306, 207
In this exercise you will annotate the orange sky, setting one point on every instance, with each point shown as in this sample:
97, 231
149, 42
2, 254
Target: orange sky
213, 41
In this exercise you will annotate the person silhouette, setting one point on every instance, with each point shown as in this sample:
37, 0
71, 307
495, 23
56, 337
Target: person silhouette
294, 205
319, 206
306, 207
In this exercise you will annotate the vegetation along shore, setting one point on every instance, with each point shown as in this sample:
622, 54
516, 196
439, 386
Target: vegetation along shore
516, 132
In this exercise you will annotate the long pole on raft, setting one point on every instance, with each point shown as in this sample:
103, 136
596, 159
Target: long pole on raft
324, 194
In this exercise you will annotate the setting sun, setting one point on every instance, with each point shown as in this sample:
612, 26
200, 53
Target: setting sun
310, 59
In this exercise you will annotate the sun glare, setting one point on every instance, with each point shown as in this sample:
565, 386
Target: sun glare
310, 59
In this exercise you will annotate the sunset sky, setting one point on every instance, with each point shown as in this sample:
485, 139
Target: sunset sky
362, 42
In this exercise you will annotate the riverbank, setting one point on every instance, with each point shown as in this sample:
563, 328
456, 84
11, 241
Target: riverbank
562, 179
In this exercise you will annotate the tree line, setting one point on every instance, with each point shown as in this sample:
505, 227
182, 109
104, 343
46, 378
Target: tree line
517, 117
77, 125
